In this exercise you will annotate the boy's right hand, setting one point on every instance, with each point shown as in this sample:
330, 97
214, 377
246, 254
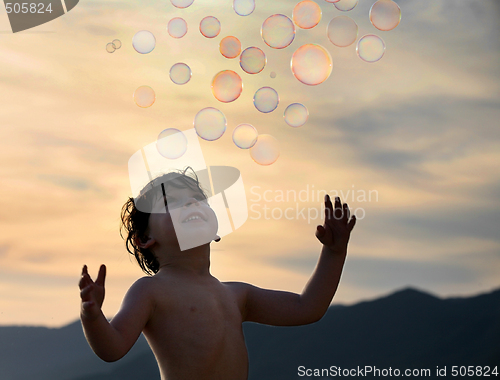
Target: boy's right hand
92, 293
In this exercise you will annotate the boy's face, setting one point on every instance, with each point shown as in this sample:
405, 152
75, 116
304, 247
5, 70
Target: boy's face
187, 222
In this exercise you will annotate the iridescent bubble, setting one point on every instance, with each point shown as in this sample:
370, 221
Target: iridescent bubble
171, 143
144, 42
345, 5
306, 14
385, 14
210, 27
180, 73
332, 1
342, 31
296, 115
177, 27
311, 64
227, 86
273, 74
252, 60
144, 96
210, 123
181, 3
266, 99
244, 7
278, 31
245, 136
230, 47
117, 44
110, 48
266, 150
370, 48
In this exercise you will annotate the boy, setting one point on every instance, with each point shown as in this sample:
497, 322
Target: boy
193, 322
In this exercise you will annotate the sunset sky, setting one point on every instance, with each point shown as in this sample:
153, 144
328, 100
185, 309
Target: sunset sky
417, 130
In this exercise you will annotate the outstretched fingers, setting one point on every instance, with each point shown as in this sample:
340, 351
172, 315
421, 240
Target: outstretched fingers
351, 223
101, 276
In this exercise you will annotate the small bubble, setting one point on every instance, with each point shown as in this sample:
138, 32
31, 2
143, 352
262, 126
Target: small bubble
180, 73
245, 136
345, 5
278, 31
230, 47
181, 3
210, 123
244, 7
266, 150
117, 44
252, 60
370, 48
272, 75
210, 27
171, 143
266, 99
311, 64
144, 42
306, 14
144, 96
296, 115
227, 86
110, 48
342, 31
385, 15
177, 27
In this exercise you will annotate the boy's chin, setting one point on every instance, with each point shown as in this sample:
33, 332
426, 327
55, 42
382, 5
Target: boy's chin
196, 238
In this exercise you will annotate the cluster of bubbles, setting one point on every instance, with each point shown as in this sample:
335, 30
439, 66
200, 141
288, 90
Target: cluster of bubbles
311, 64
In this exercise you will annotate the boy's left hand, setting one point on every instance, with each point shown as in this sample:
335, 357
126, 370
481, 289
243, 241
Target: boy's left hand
335, 232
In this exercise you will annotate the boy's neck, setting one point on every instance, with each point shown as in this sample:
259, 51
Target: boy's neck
194, 261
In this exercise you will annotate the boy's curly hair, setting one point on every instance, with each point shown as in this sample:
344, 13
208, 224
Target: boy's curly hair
135, 218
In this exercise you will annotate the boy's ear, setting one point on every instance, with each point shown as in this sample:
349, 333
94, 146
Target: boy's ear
144, 241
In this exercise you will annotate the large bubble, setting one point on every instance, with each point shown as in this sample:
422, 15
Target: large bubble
252, 60
144, 42
306, 14
181, 3
296, 115
180, 73
227, 86
266, 150
278, 31
245, 136
370, 48
144, 96
342, 31
345, 5
210, 27
385, 14
210, 123
266, 99
177, 27
311, 64
171, 143
244, 7
230, 47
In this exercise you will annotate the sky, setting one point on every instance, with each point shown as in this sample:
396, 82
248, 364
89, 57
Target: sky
410, 142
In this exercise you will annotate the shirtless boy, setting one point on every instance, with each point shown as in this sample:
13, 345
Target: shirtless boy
193, 322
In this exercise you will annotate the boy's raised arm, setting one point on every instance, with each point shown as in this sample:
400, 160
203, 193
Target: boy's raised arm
288, 309
112, 340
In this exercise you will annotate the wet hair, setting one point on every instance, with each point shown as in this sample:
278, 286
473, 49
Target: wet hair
135, 215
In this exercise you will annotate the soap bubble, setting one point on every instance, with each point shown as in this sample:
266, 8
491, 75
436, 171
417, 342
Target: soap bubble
306, 14
345, 5
117, 44
244, 7
230, 47
210, 27
266, 99
296, 115
110, 48
370, 48
332, 1
144, 96
177, 27
385, 14
227, 86
171, 143
245, 136
210, 123
266, 150
273, 74
181, 3
342, 31
278, 31
180, 73
144, 42
252, 60
311, 64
